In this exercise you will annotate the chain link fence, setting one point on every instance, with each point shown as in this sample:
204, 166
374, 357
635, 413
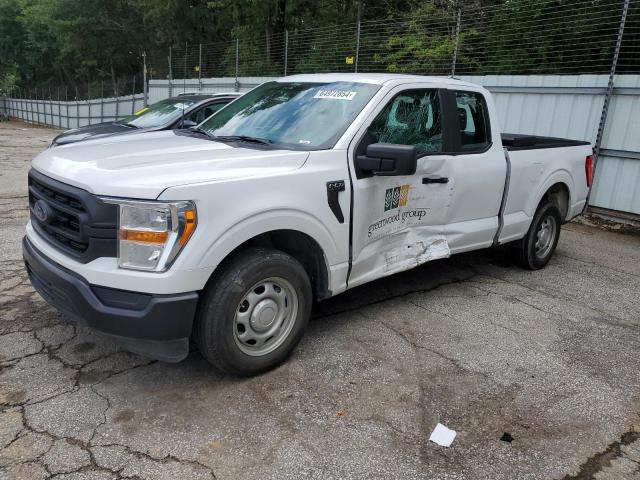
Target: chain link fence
516, 37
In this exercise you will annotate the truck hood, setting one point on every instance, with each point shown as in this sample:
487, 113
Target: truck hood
142, 166
92, 131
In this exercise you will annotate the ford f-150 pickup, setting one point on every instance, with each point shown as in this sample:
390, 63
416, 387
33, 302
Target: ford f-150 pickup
297, 191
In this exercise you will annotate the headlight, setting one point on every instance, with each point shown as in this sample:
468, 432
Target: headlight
151, 234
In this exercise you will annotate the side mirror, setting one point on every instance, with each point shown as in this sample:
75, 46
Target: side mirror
388, 159
188, 124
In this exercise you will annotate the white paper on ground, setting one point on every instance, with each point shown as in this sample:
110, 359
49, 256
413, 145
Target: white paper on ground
442, 435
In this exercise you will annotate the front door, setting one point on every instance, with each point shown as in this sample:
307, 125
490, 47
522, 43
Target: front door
398, 221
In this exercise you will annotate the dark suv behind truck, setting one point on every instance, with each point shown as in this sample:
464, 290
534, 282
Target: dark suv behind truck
183, 111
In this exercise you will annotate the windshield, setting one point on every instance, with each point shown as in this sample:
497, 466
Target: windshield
300, 116
158, 113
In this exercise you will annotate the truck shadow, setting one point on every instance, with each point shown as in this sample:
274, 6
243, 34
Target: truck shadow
423, 278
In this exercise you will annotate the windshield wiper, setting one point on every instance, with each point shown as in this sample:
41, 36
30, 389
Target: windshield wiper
130, 125
242, 138
201, 131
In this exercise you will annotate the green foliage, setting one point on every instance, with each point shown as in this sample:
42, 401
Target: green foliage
94, 47
425, 44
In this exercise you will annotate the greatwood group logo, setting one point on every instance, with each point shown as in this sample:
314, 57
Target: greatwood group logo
396, 220
396, 197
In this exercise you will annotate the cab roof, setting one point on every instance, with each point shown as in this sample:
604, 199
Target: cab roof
374, 78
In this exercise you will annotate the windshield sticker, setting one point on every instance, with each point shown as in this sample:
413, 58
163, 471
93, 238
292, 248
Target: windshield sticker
335, 94
141, 111
305, 142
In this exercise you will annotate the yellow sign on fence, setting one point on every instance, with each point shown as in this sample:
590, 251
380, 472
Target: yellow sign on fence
349, 60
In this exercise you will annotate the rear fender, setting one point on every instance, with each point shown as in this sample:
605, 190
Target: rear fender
557, 176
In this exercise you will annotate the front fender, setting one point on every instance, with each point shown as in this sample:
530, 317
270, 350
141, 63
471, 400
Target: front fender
268, 221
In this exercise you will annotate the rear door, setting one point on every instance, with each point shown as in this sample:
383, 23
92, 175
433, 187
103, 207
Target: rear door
398, 221
476, 170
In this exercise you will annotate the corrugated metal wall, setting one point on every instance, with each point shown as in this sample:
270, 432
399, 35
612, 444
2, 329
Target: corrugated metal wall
72, 114
570, 106
617, 181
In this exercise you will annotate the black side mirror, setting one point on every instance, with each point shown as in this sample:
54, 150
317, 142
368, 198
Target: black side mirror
388, 159
188, 124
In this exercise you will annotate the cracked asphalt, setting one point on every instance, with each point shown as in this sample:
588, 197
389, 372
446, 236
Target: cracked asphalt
550, 358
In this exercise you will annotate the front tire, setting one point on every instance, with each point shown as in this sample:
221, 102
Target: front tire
537, 247
253, 312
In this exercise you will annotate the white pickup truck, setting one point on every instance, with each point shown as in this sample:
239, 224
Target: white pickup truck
297, 191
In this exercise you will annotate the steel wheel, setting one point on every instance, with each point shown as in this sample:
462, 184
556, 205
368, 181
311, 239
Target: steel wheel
545, 236
265, 316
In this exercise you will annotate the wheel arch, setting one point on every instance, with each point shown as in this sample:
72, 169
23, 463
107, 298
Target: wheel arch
557, 189
307, 241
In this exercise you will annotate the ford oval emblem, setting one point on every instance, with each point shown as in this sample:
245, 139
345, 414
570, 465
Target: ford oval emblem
42, 211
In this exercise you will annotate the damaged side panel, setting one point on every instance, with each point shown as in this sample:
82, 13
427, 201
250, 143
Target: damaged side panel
398, 226
413, 254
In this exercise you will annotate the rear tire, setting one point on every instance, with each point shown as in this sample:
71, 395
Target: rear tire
253, 312
536, 248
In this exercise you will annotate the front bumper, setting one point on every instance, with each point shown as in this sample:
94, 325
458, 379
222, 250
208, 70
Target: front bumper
157, 326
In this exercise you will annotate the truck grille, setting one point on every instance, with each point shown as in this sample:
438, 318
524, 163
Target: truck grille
72, 219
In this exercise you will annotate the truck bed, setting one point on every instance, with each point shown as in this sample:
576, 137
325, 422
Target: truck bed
517, 141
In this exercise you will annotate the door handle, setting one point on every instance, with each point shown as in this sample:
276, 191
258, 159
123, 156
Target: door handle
333, 189
426, 180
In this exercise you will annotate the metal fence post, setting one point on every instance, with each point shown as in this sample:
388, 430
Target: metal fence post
455, 45
145, 91
286, 50
101, 101
59, 124
237, 84
170, 87
88, 103
200, 67
66, 104
37, 106
133, 96
184, 75
355, 67
50, 107
608, 95
117, 103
